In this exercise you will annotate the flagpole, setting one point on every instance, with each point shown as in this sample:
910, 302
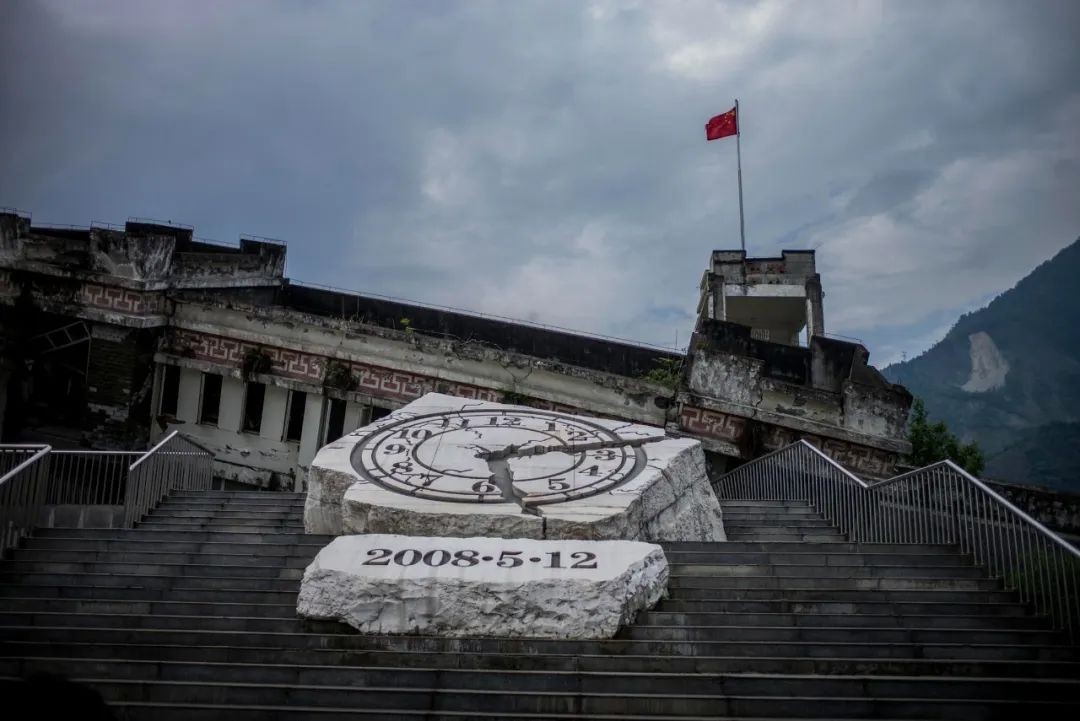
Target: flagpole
738, 161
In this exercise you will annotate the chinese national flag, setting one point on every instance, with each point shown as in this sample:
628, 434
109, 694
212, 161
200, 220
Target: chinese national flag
722, 125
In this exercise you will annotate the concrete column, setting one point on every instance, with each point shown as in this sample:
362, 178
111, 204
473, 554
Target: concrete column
187, 401
815, 311
310, 436
155, 403
354, 416
273, 416
719, 300
231, 409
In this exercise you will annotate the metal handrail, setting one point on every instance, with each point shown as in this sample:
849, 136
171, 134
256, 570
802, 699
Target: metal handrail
941, 504
176, 463
164, 223
43, 476
87, 477
22, 493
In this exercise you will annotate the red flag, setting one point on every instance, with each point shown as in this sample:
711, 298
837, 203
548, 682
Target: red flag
722, 125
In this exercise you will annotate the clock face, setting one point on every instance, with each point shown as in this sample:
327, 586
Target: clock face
529, 457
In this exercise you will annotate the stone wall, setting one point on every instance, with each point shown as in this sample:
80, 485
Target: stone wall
1057, 510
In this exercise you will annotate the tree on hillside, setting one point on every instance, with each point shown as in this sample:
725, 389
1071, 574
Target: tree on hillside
933, 442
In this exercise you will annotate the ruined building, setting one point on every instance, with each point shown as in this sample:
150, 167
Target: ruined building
113, 336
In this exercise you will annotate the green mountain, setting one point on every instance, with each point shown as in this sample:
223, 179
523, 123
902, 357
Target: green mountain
1008, 377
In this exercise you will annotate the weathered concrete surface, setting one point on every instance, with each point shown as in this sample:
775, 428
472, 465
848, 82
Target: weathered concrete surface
513, 472
487, 587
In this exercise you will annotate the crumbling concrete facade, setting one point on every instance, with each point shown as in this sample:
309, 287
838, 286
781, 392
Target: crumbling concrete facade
776, 297
146, 329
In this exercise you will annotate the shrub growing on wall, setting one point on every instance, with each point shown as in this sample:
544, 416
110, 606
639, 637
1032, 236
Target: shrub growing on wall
339, 376
256, 361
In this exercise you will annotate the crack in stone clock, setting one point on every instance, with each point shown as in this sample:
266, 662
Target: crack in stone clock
447, 466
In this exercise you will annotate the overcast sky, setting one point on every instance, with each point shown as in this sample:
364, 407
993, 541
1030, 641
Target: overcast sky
547, 160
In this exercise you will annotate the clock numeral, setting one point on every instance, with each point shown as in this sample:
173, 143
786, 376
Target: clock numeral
483, 487
511, 421
426, 479
395, 448
557, 484
591, 471
402, 467
577, 436
604, 454
419, 434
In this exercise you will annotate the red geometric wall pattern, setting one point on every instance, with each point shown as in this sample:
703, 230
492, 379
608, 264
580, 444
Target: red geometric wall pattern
374, 380
121, 300
861, 459
712, 424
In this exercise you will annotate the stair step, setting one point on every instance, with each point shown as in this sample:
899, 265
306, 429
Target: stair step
302, 546
840, 594
787, 570
786, 538
825, 620
227, 514
251, 571
299, 559
179, 623
536, 662
812, 558
187, 534
765, 503
552, 703
768, 513
899, 608
213, 594
545, 680
856, 583
241, 525
837, 547
148, 581
285, 642
199, 502
790, 524
839, 634
232, 495
147, 607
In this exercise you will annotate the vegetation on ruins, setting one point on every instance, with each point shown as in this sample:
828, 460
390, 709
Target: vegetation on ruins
668, 372
933, 442
515, 398
256, 361
338, 375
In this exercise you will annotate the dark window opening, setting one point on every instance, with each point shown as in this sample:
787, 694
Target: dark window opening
335, 420
170, 390
211, 399
377, 413
253, 407
294, 421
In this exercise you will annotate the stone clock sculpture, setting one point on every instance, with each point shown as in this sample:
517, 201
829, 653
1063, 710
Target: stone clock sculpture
447, 466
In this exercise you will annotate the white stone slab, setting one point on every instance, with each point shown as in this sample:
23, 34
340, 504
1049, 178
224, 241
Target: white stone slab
449, 466
496, 587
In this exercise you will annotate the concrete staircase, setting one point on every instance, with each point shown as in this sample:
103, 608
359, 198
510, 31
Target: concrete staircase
192, 616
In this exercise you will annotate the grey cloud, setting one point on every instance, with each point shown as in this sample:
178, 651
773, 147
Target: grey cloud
547, 159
